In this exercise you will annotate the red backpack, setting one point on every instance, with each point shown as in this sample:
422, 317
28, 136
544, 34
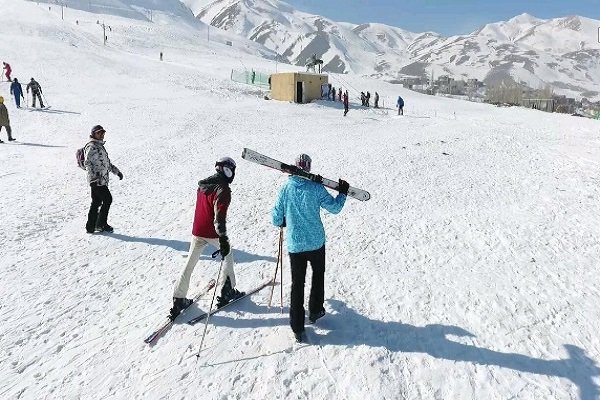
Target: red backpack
80, 155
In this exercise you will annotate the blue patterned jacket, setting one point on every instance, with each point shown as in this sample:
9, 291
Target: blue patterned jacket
300, 203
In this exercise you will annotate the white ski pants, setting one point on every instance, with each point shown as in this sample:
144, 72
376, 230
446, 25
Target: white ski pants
197, 246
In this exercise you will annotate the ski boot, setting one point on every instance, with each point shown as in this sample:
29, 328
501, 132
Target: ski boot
105, 228
313, 317
179, 304
299, 336
228, 294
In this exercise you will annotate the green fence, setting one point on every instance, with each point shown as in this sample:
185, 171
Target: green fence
251, 77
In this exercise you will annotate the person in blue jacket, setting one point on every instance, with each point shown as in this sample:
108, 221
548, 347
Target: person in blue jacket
17, 90
400, 105
298, 207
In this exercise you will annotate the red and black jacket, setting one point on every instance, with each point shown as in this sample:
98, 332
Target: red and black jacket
212, 202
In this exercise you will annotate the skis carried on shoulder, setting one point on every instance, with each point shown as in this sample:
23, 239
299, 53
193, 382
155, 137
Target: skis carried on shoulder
200, 317
255, 157
154, 336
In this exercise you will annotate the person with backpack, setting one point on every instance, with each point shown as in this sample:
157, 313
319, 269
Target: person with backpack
17, 90
98, 165
210, 227
5, 120
400, 105
298, 207
36, 91
8, 70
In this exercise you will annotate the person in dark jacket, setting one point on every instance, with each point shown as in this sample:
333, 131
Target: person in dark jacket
400, 105
98, 165
210, 227
299, 208
4, 120
36, 91
367, 98
345, 103
376, 100
17, 90
340, 94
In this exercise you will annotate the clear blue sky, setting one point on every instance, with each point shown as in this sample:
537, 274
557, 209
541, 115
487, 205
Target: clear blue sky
448, 17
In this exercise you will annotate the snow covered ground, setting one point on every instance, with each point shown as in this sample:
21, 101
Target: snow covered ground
472, 273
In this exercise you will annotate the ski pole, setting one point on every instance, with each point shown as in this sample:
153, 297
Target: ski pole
281, 271
47, 104
211, 303
276, 265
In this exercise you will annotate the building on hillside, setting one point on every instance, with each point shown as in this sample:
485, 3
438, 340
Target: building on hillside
299, 87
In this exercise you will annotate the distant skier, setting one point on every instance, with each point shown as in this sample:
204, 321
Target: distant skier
376, 100
5, 120
340, 94
8, 70
36, 91
362, 98
161, 56
400, 105
332, 93
298, 207
210, 227
345, 103
98, 166
367, 98
17, 90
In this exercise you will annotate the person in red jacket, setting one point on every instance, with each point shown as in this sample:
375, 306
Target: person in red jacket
210, 227
8, 70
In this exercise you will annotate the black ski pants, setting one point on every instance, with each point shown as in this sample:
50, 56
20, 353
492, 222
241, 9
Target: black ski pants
298, 263
39, 96
101, 198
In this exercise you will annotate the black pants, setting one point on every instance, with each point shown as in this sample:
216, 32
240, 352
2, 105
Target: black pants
298, 262
101, 198
39, 96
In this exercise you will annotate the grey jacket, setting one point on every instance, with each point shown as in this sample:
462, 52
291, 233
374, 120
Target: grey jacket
97, 163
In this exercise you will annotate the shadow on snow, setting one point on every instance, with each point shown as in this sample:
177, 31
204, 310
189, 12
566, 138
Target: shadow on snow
353, 329
239, 256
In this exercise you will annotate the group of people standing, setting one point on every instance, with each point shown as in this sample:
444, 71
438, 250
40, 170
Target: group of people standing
343, 97
16, 90
297, 208
365, 99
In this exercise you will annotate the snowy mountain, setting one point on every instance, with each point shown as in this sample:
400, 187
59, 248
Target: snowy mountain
471, 273
562, 52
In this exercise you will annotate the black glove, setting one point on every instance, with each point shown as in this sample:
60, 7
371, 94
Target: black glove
292, 169
343, 187
94, 185
224, 246
283, 225
120, 175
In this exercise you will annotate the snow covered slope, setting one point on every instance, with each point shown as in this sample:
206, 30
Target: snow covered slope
137, 9
472, 273
561, 52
